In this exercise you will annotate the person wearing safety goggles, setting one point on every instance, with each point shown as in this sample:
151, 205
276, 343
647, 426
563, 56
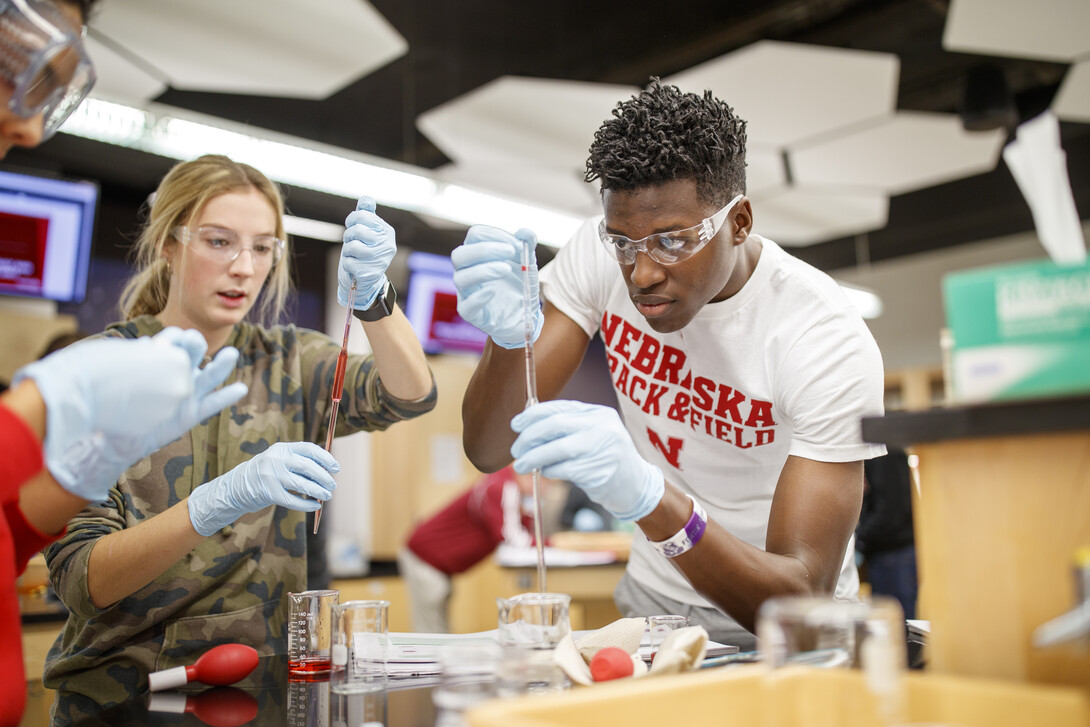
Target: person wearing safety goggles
741, 374
205, 536
45, 71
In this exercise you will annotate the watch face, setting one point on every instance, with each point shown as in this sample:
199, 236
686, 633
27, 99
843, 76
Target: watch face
382, 307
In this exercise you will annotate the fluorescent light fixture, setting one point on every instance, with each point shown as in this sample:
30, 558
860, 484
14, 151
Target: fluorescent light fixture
179, 134
313, 229
866, 301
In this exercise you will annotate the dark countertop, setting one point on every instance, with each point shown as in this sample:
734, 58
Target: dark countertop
1038, 416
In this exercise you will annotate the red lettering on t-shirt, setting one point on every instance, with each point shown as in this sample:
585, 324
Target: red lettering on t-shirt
613, 361
728, 403
644, 360
652, 401
637, 382
679, 410
629, 333
702, 392
739, 436
670, 365
622, 380
760, 414
671, 449
609, 327
765, 436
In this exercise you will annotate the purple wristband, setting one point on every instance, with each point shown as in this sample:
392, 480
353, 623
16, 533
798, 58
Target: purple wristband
684, 539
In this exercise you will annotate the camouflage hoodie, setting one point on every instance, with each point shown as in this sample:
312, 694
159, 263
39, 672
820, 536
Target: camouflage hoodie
230, 588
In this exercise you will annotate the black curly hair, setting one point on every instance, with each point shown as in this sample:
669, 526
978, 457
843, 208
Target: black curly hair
662, 134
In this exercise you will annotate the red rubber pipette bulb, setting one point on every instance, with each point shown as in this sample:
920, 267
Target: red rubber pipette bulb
223, 664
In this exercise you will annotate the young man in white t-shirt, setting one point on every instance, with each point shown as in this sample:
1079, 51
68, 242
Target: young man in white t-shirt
741, 374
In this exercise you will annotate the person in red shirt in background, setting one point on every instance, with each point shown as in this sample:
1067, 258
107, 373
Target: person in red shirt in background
496, 509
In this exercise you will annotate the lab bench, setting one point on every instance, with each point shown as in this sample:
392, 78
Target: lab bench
1001, 506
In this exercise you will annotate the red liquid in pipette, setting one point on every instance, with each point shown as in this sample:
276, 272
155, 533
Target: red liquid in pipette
338, 388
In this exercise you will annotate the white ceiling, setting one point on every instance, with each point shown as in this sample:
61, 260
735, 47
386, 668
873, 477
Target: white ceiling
898, 153
268, 47
826, 143
1053, 30
1072, 101
790, 92
829, 112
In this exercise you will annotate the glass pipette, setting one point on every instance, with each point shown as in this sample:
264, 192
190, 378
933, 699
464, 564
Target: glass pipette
338, 387
531, 399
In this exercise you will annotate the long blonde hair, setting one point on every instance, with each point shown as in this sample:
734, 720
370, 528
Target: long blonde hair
182, 194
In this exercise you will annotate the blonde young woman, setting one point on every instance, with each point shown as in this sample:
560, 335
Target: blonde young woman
199, 543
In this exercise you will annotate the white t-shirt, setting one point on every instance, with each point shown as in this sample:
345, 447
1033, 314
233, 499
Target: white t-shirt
784, 367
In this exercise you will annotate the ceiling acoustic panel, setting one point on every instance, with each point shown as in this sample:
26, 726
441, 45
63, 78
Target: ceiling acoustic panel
765, 168
903, 152
1072, 102
548, 122
560, 189
1054, 30
262, 47
797, 216
789, 92
118, 77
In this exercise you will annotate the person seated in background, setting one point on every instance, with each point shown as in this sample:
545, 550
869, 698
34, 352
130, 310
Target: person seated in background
884, 535
497, 509
741, 372
94, 411
200, 542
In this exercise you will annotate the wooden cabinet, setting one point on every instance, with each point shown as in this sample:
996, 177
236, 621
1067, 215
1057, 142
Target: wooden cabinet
1002, 506
419, 465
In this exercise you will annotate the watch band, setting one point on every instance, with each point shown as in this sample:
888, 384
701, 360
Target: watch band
382, 307
683, 540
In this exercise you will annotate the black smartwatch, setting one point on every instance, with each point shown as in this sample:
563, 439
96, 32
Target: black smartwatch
382, 307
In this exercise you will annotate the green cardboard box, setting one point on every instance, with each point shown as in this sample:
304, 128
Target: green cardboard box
1019, 331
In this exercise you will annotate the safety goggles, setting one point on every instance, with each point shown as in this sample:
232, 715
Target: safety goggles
224, 245
671, 247
43, 61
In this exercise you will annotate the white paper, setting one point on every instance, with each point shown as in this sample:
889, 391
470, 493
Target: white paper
1039, 167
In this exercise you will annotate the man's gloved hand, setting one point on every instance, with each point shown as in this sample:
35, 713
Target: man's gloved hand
112, 402
366, 253
588, 446
271, 478
488, 276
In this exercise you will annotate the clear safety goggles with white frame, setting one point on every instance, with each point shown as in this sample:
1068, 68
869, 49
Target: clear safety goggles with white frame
671, 247
224, 245
43, 61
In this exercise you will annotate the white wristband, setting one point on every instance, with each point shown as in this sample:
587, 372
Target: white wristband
683, 540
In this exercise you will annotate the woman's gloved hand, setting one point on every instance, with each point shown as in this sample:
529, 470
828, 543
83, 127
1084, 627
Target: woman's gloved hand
287, 473
366, 253
111, 402
587, 445
488, 276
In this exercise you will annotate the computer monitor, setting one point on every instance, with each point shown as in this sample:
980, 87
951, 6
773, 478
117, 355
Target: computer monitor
46, 229
432, 307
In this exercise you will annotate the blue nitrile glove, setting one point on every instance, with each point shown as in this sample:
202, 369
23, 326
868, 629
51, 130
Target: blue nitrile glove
488, 276
270, 478
366, 253
587, 445
112, 402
